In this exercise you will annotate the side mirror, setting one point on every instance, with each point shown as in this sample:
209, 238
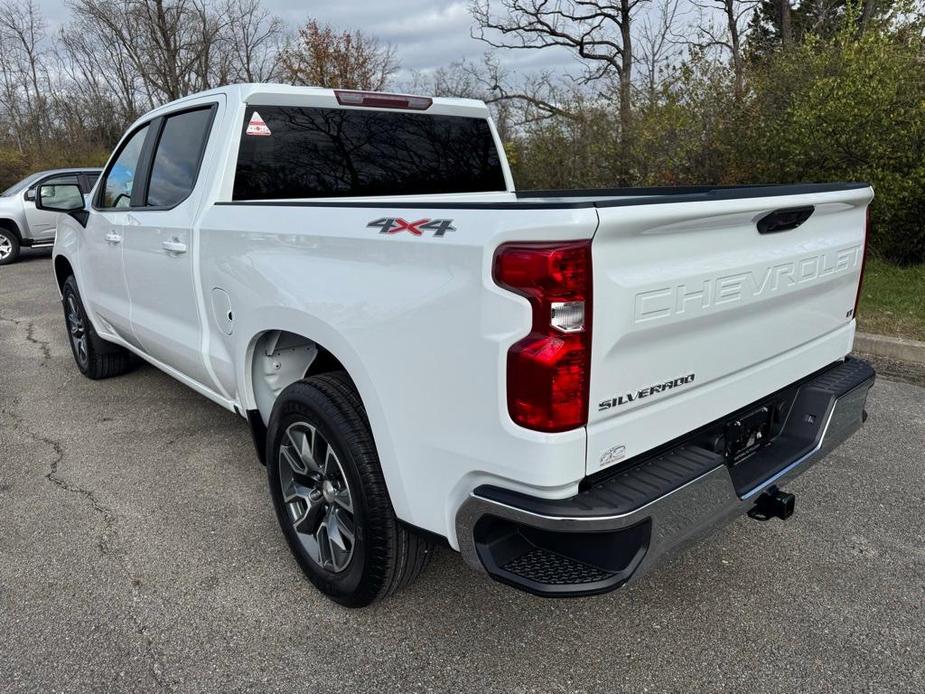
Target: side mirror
30, 194
62, 197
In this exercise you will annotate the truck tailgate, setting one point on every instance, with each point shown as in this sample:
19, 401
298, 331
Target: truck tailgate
696, 313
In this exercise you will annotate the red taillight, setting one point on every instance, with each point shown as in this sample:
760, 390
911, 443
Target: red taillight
378, 100
548, 370
857, 298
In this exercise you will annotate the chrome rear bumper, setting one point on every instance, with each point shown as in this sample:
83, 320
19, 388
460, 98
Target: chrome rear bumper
618, 530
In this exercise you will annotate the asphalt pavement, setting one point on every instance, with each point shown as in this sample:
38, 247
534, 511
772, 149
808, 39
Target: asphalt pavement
139, 552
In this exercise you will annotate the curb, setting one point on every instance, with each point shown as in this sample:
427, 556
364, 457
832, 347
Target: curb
897, 348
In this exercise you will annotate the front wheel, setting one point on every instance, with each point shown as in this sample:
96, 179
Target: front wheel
96, 358
330, 495
9, 247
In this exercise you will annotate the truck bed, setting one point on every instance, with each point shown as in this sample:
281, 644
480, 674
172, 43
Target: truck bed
572, 198
619, 197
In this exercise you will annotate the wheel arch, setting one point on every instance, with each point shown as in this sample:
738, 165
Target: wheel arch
278, 358
308, 346
12, 226
63, 270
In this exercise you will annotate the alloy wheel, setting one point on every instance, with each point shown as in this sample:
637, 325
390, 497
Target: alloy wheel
77, 330
317, 496
6, 247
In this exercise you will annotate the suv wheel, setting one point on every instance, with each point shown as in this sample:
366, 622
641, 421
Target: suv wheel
96, 358
330, 496
9, 247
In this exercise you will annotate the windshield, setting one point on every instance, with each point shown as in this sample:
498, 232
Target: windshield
22, 185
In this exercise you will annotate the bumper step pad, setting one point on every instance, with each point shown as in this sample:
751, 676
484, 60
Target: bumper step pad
548, 568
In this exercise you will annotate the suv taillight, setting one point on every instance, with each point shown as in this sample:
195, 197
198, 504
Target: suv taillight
867, 230
548, 370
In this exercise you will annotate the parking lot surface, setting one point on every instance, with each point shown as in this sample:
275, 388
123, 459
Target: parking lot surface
139, 552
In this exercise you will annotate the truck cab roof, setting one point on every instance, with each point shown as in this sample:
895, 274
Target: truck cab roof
288, 95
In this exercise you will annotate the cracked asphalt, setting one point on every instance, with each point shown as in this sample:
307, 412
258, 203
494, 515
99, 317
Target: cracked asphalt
139, 552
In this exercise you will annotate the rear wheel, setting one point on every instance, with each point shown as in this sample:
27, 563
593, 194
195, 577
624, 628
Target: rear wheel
330, 495
96, 358
9, 247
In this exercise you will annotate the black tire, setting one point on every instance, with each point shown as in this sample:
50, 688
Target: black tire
385, 555
95, 357
10, 243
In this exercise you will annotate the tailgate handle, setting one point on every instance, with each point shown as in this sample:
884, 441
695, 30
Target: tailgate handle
784, 219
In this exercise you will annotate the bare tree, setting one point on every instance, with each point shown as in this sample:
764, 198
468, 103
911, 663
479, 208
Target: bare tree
110, 94
323, 57
730, 35
656, 45
65, 99
541, 98
469, 79
173, 45
252, 38
596, 31
868, 10
23, 74
159, 50
783, 22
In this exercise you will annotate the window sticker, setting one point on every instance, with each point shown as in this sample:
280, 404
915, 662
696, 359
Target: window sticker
257, 127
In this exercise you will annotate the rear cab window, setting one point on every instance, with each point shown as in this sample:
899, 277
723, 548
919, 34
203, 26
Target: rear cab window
304, 152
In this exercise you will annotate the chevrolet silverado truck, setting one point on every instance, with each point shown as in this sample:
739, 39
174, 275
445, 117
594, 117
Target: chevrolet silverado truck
565, 387
22, 224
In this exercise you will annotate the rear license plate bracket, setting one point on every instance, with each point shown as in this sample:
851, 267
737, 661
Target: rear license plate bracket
748, 433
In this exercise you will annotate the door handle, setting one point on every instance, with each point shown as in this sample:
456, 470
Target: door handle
113, 237
174, 246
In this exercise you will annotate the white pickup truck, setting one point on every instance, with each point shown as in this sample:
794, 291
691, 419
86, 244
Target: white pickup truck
563, 386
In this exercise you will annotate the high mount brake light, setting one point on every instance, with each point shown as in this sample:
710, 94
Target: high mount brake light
379, 100
548, 371
867, 230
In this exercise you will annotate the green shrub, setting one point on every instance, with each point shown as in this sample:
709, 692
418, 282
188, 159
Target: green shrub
848, 109
841, 108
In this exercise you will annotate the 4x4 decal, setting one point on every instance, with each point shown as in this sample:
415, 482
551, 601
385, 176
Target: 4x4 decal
394, 225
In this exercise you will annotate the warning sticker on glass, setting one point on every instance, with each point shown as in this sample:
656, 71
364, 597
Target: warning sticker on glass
257, 127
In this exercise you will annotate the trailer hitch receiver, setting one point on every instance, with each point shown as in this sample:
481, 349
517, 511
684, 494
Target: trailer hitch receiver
773, 504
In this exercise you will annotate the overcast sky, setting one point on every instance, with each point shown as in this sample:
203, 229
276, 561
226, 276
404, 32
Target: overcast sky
425, 33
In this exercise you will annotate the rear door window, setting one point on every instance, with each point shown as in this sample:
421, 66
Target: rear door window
298, 152
177, 158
